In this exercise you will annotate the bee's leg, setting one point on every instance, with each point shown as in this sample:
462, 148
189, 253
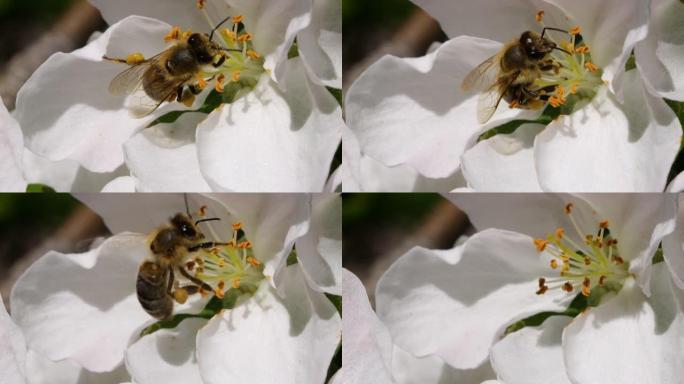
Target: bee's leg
169, 287
179, 93
207, 245
193, 89
220, 62
195, 280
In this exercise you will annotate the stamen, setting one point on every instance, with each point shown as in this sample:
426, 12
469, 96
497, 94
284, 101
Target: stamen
539, 16
203, 209
174, 34
237, 226
238, 19
200, 4
591, 66
576, 30
540, 244
554, 264
219, 83
568, 208
135, 58
567, 287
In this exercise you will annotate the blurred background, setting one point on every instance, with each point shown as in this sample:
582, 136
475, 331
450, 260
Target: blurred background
32, 30
372, 29
31, 224
378, 228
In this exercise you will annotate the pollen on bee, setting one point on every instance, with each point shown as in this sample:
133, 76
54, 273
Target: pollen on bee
219, 83
186, 34
576, 30
135, 58
180, 295
540, 244
174, 34
188, 99
539, 16
591, 66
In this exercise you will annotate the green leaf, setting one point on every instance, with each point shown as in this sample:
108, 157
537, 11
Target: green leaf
546, 117
337, 94
213, 307
336, 300
39, 188
578, 304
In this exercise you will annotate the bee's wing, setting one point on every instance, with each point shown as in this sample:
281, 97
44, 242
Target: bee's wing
487, 103
126, 82
141, 105
483, 76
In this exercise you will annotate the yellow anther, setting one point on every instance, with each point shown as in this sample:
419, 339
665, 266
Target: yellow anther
602, 280
604, 224
591, 66
539, 16
135, 58
560, 91
554, 264
576, 30
586, 286
186, 35
253, 54
236, 226
573, 89
219, 83
180, 295
618, 260
203, 293
221, 284
200, 4
235, 76
559, 233
587, 260
219, 293
583, 49
201, 84
542, 286
238, 19
174, 34
190, 265
214, 251
236, 283
568, 208
245, 37
203, 209
253, 261
586, 291
245, 244
567, 287
228, 34
540, 244
555, 101
221, 263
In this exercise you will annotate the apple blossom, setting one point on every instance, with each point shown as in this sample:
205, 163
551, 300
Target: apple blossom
279, 127
598, 112
533, 254
273, 321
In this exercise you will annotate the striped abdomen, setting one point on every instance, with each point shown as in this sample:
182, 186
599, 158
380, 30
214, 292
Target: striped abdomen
151, 287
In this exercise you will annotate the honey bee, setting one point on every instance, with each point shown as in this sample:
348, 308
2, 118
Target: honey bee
165, 76
169, 246
510, 74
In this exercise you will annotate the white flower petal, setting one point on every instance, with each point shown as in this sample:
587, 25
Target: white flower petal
320, 44
40, 370
659, 57
456, 303
274, 25
120, 184
12, 349
268, 339
78, 118
504, 162
673, 247
505, 19
610, 27
271, 140
607, 147
366, 345
11, 150
532, 355
411, 111
408, 369
629, 338
166, 356
164, 158
83, 306
272, 222
677, 184
320, 250
181, 13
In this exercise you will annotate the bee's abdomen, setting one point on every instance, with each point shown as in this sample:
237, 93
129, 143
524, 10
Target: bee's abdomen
151, 290
158, 83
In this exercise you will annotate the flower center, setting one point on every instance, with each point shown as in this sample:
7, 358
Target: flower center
228, 266
571, 71
584, 265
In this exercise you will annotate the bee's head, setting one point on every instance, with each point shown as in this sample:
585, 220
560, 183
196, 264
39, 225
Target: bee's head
203, 48
535, 46
186, 227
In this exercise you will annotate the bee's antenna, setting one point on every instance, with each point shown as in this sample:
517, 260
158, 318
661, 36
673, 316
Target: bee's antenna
209, 219
187, 207
217, 27
553, 29
230, 49
563, 50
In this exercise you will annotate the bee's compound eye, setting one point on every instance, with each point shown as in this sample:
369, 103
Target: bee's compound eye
528, 41
187, 230
204, 57
193, 40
